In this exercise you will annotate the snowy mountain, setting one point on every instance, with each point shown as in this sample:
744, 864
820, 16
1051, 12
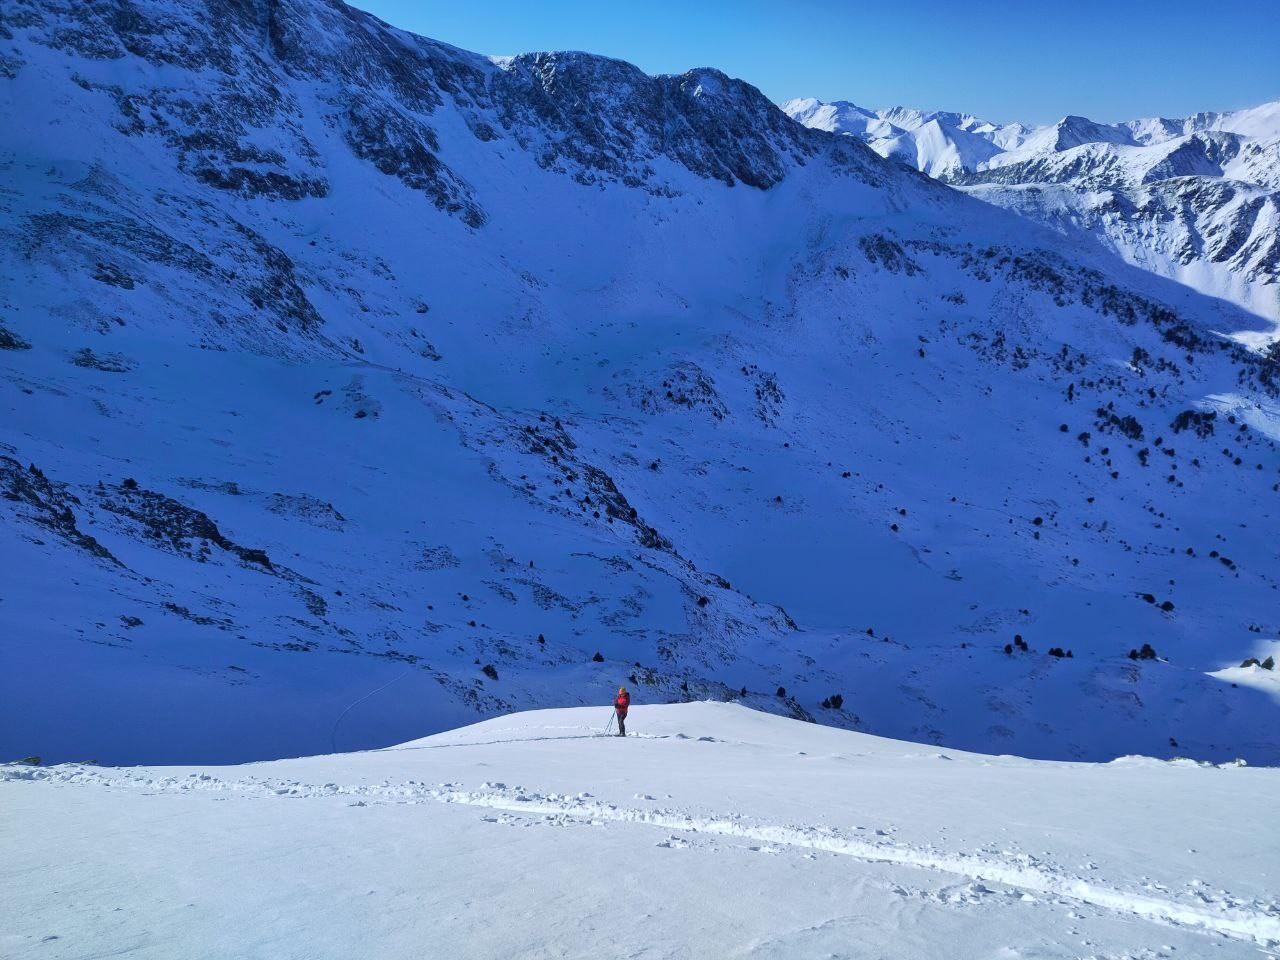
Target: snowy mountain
1195, 199
357, 387
716, 831
936, 142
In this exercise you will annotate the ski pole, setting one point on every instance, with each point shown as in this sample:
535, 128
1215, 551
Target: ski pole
609, 726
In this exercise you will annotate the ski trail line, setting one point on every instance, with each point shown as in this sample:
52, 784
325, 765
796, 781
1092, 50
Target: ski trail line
1261, 928
1260, 925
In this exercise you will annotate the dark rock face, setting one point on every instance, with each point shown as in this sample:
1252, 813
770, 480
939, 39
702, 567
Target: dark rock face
615, 122
405, 148
276, 287
11, 341
48, 504
183, 529
108, 363
119, 246
242, 130
552, 443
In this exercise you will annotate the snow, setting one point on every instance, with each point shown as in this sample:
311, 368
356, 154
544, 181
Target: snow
1255, 676
355, 388
712, 831
834, 406
1127, 185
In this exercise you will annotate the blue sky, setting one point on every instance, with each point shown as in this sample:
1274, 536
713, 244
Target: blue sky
1000, 59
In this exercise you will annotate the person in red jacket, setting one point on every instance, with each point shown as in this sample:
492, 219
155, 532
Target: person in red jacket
620, 704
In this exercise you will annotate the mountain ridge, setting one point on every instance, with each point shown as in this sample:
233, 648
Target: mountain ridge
1192, 198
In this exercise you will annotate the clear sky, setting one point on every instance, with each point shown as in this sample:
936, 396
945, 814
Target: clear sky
1031, 61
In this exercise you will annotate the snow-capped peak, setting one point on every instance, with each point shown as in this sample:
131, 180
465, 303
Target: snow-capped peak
1220, 237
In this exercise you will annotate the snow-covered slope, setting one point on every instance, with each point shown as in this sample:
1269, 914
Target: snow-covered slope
1195, 199
714, 831
356, 386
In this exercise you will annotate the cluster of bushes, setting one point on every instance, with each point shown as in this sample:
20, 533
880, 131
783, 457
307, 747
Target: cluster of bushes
1166, 606
1146, 653
833, 702
1017, 642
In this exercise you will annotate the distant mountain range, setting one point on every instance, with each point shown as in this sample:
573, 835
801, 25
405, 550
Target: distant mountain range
1196, 199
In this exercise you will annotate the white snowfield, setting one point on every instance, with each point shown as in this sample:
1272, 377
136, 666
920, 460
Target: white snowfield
355, 387
711, 831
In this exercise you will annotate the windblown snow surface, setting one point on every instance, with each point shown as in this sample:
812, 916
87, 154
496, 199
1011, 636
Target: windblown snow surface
354, 387
710, 831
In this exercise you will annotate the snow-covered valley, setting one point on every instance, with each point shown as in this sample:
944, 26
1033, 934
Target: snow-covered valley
710, 830
356, 387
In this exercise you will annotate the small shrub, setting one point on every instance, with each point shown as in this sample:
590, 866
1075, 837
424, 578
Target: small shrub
490, 671
598, 658
782, 691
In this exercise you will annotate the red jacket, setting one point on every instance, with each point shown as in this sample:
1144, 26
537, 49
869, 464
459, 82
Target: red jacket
621, 702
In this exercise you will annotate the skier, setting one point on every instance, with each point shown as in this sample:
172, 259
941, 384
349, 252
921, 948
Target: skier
620, 704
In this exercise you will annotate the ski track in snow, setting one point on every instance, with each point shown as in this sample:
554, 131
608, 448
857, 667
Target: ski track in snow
1255, 921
